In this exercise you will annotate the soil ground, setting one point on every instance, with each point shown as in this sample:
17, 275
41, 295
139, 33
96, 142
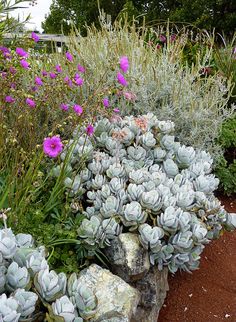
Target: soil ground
208, 294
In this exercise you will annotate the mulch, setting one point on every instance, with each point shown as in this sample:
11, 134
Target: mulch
208, 294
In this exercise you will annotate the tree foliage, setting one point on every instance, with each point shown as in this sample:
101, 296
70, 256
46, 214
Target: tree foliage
218, 14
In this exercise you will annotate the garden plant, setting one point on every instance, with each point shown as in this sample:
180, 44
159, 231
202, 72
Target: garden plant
94, 143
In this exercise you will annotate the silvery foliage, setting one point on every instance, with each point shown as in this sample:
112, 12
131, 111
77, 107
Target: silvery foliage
137, 175
81, 296
26, 301
21, 265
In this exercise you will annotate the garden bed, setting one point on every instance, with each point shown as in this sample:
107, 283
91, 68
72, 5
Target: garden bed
208, 294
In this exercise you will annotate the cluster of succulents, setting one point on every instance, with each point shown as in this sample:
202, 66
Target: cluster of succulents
29, 289
137, 177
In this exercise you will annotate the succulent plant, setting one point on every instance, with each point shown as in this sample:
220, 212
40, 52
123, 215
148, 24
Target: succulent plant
8, 244
26, 301
86, 301
24, 240
9, 309
136, 176
50, 285
17, 277
65, 308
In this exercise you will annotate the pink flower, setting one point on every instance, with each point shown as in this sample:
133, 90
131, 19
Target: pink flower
80, 68
163, 38
58, 68
24, 64
35, 37
78, 109
130, 96
12, 70
69, 56
124, 64
158, 46
90, 130
68, 81
172, 37
52, 75
106, 102
44, 73
9, 99
116, 110
52, 146
38, 81
30, 102
21, 52
64, 107
121, 79
79, 81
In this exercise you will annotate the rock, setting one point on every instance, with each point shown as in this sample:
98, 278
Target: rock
128, 258
117, 300
153, 288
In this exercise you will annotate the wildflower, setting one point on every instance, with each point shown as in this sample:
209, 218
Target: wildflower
58, 68
79, 81
9, 99
130, 96
44, 73
3, 74
12, 70
158, 46
52, 146
24, 64
90, 130
172, 37
78, 109
80, 68
121, 79
13, 85
6, 52
21, 52
106, 102
38, 81
64, 107
163, 38
124, 64
68, 81
35, 37
116, 110
30, 102
69, 56
52, 75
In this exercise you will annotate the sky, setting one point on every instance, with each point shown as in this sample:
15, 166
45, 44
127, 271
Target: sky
37, 12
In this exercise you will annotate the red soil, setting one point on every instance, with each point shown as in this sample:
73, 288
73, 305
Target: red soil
209, 294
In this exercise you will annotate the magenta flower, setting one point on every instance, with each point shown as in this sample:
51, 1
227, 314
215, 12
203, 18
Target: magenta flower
78, 109
68, 81
121, 79
116, 110
81, 68
20, 52
44, 73
69, 56
3, 74
13, 85
106, 102
79, 81
90, 130
163, 38
64, 107
35, 37
52, 146
124, 64
52, 75
9, 99
31, 103
38, 81
24, 64
12, 70
130, 96
158, 46
58, 68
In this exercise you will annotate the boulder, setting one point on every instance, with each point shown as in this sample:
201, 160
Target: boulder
128, 258
117, 300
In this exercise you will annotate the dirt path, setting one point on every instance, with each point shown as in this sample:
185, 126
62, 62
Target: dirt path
209, 294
